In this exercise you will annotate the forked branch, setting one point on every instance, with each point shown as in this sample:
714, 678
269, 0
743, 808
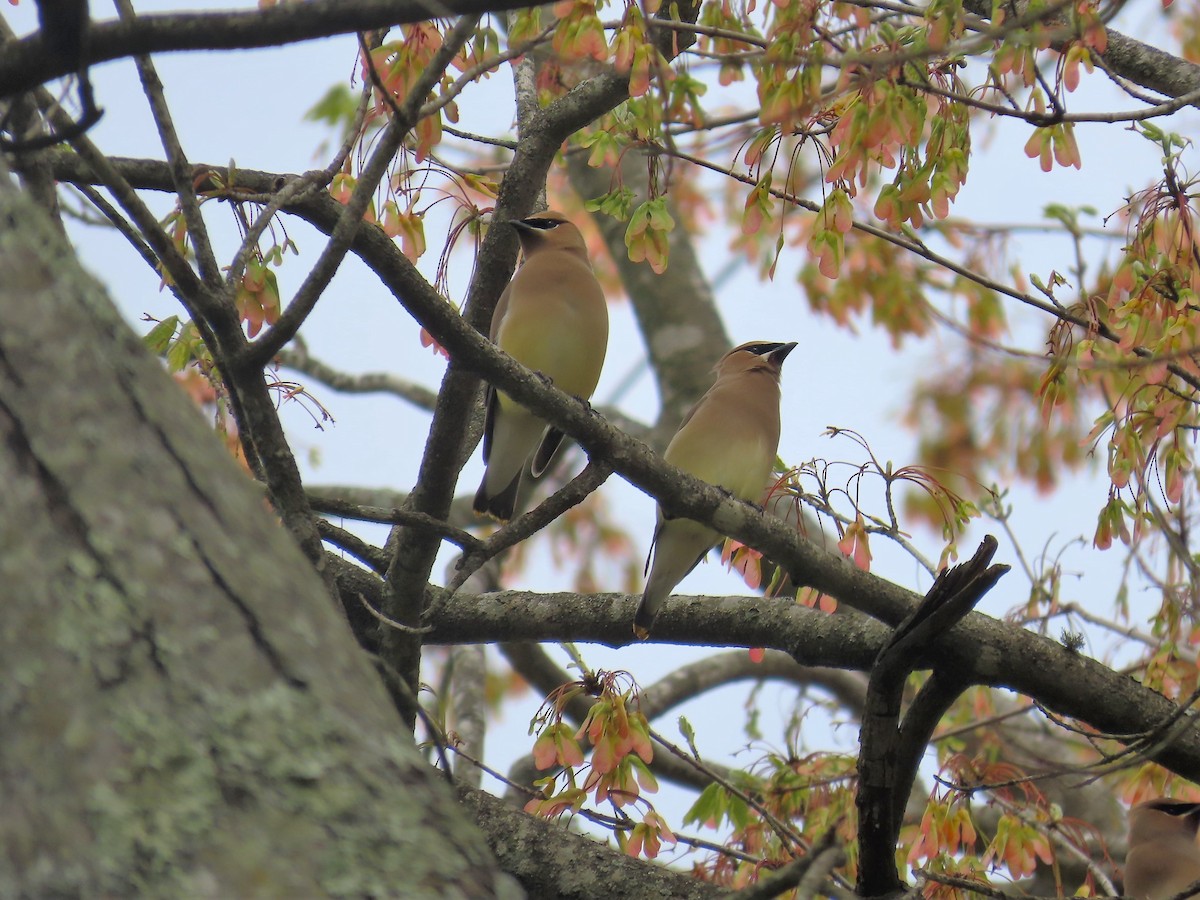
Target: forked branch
890, 748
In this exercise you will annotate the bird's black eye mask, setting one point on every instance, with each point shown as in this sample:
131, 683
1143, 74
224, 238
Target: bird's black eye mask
762, 349
543, 224
1172, 808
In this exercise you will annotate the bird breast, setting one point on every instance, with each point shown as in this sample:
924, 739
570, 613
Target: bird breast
572, 354
739, 458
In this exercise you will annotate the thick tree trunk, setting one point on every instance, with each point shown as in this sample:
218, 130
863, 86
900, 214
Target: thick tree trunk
184, 713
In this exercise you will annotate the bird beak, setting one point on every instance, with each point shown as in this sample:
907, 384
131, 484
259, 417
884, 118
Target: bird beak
778, 355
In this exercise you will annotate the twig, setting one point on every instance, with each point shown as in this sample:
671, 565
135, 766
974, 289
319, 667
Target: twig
354, 545
788, 836
569, 495
181, 174
390, 622
396, 516
296, 357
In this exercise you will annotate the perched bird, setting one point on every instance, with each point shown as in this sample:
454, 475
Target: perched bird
729, 438
1163, 856
553, 319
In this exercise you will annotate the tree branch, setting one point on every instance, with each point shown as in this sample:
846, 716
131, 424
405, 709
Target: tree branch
28, 63
152, 87
982, 649
549, 861
690, 681
298, 359
883, 782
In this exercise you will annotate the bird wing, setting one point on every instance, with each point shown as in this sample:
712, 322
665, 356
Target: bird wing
491, 403
556, 322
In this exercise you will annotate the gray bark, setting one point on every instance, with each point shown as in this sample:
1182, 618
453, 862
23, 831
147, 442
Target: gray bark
185, 713
554, 864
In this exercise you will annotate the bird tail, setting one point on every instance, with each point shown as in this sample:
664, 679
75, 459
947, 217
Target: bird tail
499, 506
679, 545
647, 612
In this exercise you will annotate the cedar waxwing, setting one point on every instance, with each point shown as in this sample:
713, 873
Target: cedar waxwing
729, 438
1163, 856
551, 318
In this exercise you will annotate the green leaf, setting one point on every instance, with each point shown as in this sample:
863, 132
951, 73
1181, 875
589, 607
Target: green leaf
617, 204
337, 108
709, 807
159, 338
183, 350
178, 356
738, 812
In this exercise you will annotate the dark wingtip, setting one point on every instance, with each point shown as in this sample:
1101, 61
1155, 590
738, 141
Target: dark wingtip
545, 452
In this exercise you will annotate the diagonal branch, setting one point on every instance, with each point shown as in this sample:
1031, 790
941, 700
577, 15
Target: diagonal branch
405, 117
